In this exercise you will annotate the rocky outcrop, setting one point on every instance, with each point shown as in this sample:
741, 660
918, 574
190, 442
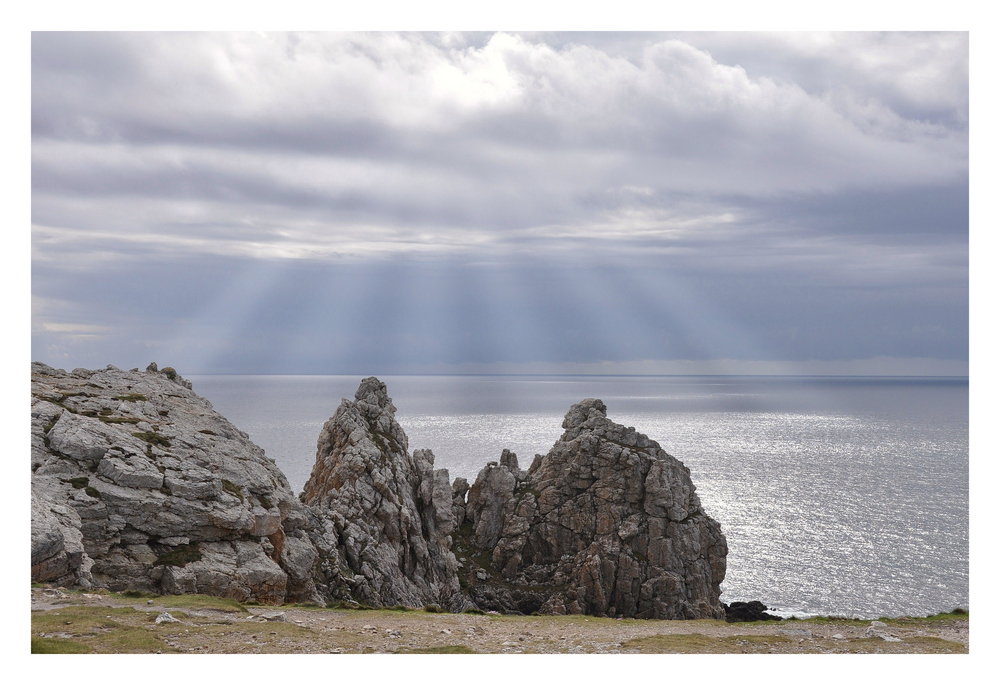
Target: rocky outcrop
137, 483
388, 514
606, 523
741, 612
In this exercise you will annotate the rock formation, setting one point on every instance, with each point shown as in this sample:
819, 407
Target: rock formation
744, 612
137, 483
387, 513
606, 523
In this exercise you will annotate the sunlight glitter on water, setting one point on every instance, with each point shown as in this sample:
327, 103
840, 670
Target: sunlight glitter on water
837, 497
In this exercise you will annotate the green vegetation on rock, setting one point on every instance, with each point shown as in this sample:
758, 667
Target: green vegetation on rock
132, 397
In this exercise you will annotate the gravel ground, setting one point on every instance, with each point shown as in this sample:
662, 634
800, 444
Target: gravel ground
102, 622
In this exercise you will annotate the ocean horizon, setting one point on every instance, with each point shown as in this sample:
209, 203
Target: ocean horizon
839, 495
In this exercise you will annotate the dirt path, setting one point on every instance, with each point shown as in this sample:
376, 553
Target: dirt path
70, 621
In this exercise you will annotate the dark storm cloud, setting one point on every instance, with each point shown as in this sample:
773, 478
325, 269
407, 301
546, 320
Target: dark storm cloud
365, 199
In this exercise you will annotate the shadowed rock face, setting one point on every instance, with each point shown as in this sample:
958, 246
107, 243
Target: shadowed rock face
389, 514
607, 520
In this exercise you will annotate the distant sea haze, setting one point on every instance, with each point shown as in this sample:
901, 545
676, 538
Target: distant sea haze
838, 496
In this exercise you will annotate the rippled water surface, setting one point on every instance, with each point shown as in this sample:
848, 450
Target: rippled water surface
838, 496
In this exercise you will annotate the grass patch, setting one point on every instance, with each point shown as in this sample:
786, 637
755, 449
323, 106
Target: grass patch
52, 645
135, 594
948, 616
204, 602
696, 643
208, 432
79, 483
181, 555
953, 615
232, 488
153, 439
264, 501
132, 397
433, 609
919, 644
444, 649
113, 630
113, 419
92, 492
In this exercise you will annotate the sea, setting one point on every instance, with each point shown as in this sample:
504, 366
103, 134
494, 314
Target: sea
839, 496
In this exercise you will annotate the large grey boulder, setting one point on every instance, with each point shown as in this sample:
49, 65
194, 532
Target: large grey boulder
385, 515
606, 523
137, 483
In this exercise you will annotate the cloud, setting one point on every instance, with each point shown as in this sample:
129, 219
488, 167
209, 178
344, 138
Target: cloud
486, 198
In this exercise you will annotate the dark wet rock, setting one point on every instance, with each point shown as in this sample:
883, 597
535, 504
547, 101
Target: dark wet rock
748, 611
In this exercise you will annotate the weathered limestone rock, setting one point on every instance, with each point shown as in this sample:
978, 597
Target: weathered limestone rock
607, 520
238, 569
138, 484
57, 554
386, 515
459, 491
488, 496
134, 476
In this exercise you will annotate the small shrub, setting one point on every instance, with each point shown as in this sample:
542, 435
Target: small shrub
132, 397
153, 439
80, 483
433, 609
232, 488
92, 492
138, 594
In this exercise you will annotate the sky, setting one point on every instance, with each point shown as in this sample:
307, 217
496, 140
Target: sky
532, 202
